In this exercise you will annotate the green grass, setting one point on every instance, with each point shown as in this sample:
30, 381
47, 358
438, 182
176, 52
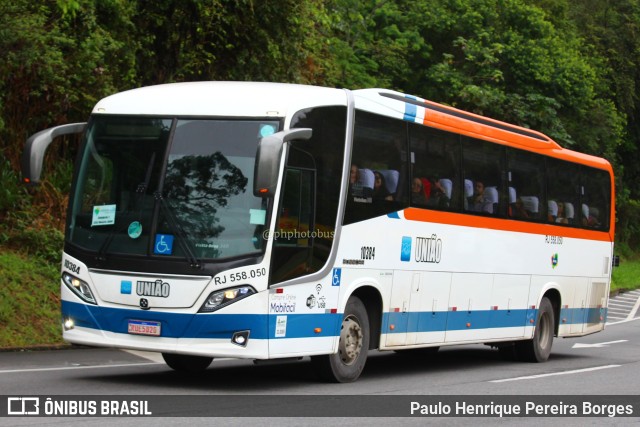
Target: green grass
29, 301
627, 275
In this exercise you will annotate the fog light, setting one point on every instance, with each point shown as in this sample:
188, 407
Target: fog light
240, 338
68, 324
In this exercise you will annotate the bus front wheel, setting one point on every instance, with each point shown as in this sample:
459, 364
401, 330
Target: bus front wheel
347, 364
186, 363
539, 348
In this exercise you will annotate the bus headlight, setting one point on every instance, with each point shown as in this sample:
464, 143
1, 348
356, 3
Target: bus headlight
223, 298
79, 287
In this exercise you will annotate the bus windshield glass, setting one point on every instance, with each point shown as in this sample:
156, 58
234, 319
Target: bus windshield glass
165, 187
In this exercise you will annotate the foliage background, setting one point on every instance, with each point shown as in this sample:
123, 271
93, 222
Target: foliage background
570, 69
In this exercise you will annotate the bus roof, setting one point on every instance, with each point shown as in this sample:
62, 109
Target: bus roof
227, 99
262, 99
414, 109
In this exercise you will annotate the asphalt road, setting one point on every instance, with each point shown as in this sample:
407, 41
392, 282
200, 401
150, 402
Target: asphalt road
607, 363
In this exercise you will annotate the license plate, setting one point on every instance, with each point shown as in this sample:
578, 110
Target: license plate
144, 327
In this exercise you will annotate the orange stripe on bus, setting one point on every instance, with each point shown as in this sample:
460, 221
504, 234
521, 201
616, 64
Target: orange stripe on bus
503, 224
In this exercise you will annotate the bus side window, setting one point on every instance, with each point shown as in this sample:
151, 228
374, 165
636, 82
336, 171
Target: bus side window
484, 162
308, 208
380, 158
525, 176
595, 189
562, 184
435, 159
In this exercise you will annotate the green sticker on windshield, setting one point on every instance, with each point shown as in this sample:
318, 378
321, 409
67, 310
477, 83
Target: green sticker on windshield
103, 215
135, 229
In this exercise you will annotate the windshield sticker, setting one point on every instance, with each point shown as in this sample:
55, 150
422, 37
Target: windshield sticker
257, 216
163, 245
266, 130
103, 215
135, 229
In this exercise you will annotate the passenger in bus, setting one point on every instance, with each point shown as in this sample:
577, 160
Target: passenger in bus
479, 201
353, 175
355, 181
360, 183
438, 198
519, 210
380, 191
592, 220
418, 195
561, 218
390, 177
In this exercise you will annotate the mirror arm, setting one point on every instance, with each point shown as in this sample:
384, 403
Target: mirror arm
36, 146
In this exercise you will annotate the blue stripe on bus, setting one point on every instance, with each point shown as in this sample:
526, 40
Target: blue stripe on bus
394, 215
263, 326
215, 325
583, 315
440, 321
410, 112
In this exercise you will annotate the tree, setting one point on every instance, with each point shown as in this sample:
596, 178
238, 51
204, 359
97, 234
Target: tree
222, 40
61, 57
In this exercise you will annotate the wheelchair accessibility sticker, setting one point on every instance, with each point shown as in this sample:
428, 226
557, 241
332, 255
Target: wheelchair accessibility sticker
337, 274
163, 245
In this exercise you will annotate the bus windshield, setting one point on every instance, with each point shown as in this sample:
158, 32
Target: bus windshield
165, 187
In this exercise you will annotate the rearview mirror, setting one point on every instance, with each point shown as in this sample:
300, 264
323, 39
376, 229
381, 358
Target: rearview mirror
37, 145
269, 153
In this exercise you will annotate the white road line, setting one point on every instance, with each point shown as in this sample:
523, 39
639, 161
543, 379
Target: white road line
68, 368
148, 355
628, 319
577, 371
619, 304
634, 310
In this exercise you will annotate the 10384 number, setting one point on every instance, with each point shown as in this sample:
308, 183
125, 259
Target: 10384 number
368, 252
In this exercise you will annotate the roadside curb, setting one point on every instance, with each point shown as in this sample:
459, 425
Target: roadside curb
40, 347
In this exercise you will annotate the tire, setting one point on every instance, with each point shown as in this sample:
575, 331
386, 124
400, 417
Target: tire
347, 364
508, 352
187, 364
538, 349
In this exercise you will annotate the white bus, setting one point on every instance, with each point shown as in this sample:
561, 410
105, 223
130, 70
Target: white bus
271, 221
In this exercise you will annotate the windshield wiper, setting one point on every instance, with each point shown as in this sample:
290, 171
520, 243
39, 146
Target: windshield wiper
176, 227
140, 190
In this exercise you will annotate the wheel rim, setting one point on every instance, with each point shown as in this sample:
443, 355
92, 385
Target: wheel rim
351, 339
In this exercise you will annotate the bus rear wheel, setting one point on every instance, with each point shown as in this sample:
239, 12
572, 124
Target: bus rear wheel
538, 349
347, 364
186, 363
